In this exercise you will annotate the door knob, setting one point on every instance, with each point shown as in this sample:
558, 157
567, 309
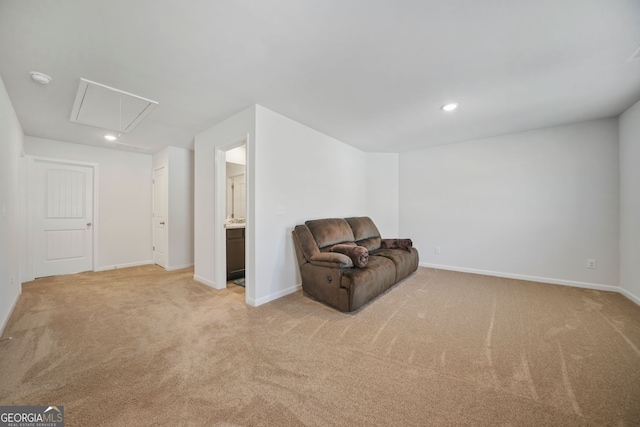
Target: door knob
88, 224
162, 223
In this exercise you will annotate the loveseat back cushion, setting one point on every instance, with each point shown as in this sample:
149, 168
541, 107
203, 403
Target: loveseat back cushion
330, 231
365, 232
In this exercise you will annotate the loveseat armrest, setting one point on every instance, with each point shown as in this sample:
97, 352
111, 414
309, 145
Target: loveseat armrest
331, 259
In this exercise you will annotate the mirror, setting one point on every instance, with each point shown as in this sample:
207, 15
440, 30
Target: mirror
236, 188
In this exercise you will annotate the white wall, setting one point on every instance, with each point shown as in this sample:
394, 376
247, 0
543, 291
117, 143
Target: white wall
11, 138
533, 205
630, 202
383, 192
310, 175
237, 155
123, 224
160, 158
180, 213
236, 130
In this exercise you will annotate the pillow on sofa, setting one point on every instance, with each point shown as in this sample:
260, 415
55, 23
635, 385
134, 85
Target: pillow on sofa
405, 244
358, 254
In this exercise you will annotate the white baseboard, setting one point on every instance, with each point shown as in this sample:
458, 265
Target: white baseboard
207, 282
549, 280
629, 295
178, 267
252, 302
8, 316
130, 264
274, 296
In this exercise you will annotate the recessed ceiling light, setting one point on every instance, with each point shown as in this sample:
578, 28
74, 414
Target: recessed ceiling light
43, 79
110, 137
450, 107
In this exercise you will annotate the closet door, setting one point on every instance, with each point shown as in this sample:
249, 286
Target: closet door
63, 218
160, 228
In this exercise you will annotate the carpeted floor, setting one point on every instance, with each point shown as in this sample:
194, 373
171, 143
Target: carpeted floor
142, 346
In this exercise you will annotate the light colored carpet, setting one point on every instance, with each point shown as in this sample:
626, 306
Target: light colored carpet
141, 346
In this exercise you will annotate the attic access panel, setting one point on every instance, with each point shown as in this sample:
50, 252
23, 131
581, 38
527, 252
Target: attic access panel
109, 108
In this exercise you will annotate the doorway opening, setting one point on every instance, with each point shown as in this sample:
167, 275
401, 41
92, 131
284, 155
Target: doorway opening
235, 217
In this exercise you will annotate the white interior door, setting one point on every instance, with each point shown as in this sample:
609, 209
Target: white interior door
229, 197
63, 218
239, 197
160, 216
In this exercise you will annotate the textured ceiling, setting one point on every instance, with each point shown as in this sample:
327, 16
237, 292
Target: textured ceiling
370, 73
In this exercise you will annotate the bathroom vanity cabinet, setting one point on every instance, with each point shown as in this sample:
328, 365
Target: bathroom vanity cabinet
235, 253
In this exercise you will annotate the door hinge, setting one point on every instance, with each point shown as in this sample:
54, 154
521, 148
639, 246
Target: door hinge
154, 248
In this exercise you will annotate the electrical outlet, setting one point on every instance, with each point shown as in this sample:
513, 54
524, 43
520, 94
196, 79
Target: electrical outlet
436, 249
591, 263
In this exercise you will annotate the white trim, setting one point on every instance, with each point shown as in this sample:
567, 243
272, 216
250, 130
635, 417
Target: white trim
178, 267
256, 302
81, 98
629, 295
96, 218
129, 264
549, 280
220, 214
31, 219
250, 258
26, 264
204, 281
165, 196
219, 217
13, 306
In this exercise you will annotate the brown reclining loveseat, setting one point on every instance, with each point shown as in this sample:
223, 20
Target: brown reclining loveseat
332, 278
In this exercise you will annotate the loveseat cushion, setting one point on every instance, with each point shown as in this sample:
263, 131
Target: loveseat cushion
404, 244
330, 231
365, 232
365, 284
406, 262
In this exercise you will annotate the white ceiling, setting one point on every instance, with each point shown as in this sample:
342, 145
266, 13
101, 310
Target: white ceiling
371, 73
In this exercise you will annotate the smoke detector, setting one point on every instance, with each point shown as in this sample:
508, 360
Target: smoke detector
43, 79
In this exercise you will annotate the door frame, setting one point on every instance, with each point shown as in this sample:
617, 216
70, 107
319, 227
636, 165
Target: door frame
219, 217
31, 211
153, 216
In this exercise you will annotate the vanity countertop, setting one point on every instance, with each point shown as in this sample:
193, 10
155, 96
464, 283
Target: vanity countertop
235, 225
